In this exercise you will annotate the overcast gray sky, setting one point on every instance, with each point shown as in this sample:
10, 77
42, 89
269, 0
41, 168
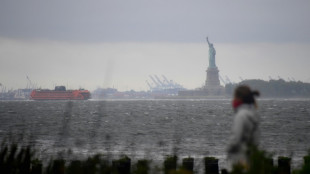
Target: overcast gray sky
119, 43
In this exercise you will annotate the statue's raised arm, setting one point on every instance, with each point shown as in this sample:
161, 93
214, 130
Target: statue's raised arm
212, 53
208, 41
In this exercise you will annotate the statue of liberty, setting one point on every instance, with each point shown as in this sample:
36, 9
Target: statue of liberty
212, 53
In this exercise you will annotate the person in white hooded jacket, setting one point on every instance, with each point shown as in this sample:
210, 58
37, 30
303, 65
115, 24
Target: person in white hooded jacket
245, 131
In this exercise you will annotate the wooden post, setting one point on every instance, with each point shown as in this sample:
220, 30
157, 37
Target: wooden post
36, 169
188, 164
121, 166
170, 164
211, 165
142, 167
284, 165
75, 167
58, 166
224, 171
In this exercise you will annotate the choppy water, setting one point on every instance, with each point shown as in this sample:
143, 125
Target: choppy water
151, 128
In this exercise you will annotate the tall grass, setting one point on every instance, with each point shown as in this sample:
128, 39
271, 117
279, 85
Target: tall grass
15, 159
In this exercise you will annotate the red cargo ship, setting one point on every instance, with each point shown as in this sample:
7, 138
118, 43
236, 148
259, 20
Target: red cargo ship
60, 93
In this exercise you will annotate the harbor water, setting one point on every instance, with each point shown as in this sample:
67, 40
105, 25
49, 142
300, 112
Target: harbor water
150, 128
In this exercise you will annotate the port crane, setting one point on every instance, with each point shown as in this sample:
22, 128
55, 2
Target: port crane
159, 81
162, 84
29, 83
228, 80
169, 83
1, 88
148, 84
154, 81
221, 78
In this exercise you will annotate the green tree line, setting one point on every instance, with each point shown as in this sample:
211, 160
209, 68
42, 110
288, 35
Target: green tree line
275, 88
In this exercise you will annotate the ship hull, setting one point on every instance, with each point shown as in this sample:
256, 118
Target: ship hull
60, 95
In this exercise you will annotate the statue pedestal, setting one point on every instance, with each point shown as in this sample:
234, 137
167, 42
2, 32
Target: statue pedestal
212, 85
211, 89
212, 78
